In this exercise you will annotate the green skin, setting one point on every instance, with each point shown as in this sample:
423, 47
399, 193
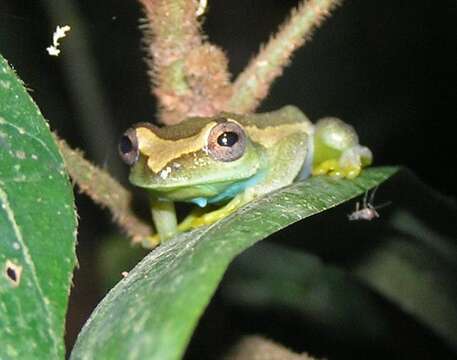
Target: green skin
281, 147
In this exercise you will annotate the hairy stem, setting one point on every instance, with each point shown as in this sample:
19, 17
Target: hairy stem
104, 190
171, 32
189, 76
253, 84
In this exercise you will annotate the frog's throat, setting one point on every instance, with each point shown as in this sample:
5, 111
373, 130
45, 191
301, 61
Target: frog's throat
230, 192
160, 152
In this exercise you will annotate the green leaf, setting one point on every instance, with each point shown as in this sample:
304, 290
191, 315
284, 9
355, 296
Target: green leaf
37, 229
414, 264
416, 268
152, 312
408, 256
270, 276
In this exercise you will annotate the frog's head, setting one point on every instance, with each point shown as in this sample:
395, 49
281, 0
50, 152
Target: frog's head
199, 158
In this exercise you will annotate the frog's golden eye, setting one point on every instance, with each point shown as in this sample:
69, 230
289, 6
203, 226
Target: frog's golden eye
128, 147
227, 141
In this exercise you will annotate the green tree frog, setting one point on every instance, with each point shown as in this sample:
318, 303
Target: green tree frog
231, 159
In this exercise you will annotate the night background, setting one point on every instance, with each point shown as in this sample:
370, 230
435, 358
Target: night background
388, 68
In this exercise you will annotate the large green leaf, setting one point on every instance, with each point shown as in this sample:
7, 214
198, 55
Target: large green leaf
37, 229
414, 264
408, 256
152, 312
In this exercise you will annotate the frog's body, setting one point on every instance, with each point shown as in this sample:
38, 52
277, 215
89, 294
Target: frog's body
231, 159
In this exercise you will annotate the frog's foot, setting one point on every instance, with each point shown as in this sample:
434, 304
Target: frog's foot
349, 165
151, 241
199, 218
155, 240
190, 220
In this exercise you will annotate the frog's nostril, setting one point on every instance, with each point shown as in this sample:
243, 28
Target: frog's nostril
128, 147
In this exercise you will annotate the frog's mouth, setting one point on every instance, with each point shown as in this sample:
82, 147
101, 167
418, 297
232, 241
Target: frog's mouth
209, 193
175, 177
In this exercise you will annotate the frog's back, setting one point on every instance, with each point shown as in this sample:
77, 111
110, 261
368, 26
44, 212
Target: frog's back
288, 115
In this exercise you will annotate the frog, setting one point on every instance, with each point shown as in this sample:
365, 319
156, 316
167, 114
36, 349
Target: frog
223, 162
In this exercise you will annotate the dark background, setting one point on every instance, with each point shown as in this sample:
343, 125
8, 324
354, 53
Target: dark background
387, 67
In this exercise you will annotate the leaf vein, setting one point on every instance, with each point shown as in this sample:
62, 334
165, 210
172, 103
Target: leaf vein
38, 140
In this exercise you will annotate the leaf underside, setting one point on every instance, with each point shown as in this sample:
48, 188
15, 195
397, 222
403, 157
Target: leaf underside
37, 229
154, 310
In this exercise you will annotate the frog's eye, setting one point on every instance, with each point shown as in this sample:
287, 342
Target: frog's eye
227, 141
128, 147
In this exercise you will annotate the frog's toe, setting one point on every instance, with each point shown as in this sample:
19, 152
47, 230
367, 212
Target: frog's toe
326, 167
211, 217
199, 221
334, 169
356, 156
348, 166
351, 172
152, 241
194, 221
348, 172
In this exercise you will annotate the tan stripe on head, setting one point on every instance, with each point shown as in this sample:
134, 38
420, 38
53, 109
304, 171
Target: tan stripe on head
160, 152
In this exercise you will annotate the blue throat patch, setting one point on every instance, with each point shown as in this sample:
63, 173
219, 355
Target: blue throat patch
230, 192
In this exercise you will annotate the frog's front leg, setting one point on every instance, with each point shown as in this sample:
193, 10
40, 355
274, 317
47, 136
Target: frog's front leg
164, 216
337, 151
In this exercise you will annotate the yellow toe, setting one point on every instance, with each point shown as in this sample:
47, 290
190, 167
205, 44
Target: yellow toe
152, 241
334, 169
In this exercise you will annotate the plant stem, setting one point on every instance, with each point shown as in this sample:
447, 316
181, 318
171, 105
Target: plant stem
105, 191
171, 32
253, 84
189, 76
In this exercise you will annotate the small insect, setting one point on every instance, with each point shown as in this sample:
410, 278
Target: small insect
368, 211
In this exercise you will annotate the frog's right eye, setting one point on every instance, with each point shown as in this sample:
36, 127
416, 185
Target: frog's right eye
227, 141
128, 147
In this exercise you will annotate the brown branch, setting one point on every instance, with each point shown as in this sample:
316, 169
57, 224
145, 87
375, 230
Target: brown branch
189, 76
253, 84
104, 190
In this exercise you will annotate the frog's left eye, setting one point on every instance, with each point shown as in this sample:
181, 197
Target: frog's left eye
128, 147
227, 141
